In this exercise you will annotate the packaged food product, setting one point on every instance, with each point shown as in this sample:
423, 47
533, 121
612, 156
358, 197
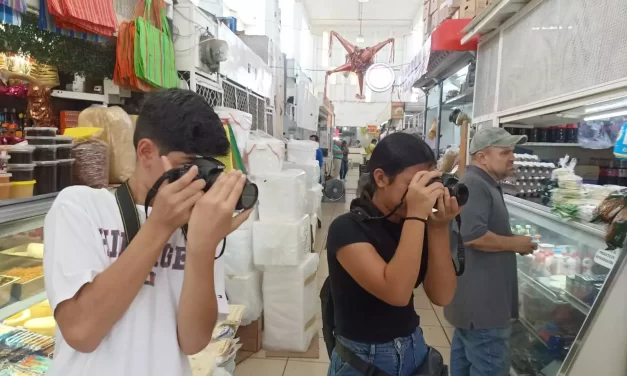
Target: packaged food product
45, 153
64, 151
92, 163
63, 140
64, 173
19, 318
22, 189
609, 207
118, 129
40, 131
41, 140
5, 178
42, 325
5, 191
21, 154
4, 162
46, 177
22, 172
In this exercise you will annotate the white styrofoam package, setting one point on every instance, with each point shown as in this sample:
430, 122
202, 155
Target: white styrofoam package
246, 290
290, 306
238, 253
264, 153
282, 195
280, 243
313, 221
301, 151
241, 123
311, 168
314, 199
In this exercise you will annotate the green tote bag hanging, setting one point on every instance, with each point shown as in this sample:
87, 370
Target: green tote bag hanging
154, 52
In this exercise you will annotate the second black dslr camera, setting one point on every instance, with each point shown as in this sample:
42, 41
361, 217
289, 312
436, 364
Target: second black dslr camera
455, 188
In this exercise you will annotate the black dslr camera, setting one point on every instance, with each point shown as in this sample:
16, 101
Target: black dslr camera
208, 170
455, 188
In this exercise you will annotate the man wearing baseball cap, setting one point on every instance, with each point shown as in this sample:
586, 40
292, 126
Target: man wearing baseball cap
486, 299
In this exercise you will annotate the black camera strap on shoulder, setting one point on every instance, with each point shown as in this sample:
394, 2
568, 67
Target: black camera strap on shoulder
130, 218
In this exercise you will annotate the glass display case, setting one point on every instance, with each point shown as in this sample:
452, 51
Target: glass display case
561, 288
27, 325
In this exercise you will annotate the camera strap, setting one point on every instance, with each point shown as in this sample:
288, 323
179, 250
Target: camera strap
128, 211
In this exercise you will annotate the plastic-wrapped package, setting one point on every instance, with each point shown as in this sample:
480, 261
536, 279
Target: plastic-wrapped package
282, 195
314, 199
301, 151
313, 222
118, 129
241, 122
595, 135
280, 243
238, 253
91, 166
246, 290
311, 168
290, 306
264, 154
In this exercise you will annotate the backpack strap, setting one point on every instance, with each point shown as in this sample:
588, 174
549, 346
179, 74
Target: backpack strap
128, 211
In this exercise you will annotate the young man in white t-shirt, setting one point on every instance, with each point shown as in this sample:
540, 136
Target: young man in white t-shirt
139, 310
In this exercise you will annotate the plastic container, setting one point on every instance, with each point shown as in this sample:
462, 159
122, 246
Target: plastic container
4, 163
40, 131
64, 151
41, 140
64, 173
22, 189
558, 264
573, 265
46, 177
301, 151
5, 178
45, 153
265, 154
5, 191
22, 172
21, 154
64, 140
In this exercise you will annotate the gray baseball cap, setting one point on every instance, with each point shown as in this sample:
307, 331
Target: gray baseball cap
498, 137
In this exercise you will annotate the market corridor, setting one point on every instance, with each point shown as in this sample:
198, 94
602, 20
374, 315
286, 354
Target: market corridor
438, 333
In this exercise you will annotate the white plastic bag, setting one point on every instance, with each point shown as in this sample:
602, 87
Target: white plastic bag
246, 290
282, 195
281, 243
241, 123
311, 168
264, 154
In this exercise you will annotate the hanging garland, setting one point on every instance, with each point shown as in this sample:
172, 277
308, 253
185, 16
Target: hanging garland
67, 54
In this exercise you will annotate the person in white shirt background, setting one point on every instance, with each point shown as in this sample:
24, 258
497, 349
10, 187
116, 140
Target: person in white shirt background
141, 309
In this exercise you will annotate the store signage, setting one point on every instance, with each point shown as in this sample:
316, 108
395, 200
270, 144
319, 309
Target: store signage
372, 128
398, 110
606, 258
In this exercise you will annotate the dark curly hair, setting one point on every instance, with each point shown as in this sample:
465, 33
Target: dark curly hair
183, 121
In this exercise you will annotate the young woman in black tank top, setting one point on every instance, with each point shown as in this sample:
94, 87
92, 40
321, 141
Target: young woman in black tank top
390, 243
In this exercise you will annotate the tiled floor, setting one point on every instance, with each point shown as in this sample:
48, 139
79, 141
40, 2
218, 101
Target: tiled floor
438, 333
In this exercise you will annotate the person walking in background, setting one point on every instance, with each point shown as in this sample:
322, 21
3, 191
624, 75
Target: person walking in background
370, 148
337, 159
319, 156
344, 167
486, 299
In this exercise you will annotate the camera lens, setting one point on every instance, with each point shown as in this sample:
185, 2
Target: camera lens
249, 196
460, 192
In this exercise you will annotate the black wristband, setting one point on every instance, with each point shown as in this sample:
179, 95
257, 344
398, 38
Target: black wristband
416, 219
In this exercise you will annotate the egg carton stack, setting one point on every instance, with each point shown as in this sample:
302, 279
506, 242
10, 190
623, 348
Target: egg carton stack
282, 250
301, 155
529, 178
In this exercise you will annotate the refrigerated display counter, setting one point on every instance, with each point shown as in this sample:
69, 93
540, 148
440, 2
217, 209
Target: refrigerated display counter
565, 288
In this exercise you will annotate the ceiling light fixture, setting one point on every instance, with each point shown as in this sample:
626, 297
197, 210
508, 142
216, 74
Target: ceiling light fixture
605, 115
360, 37
605, 107
362, 1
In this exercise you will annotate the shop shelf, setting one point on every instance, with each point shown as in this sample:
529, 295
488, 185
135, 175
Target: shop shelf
551, 144
493, 16
460, 99
16, 210
557, 297
89, 97
531, 330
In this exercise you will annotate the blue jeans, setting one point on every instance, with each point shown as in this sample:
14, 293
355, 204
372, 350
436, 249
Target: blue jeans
480, 352
401, 357
344, 169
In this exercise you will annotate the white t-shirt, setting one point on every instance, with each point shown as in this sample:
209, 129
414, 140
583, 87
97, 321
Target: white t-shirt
83, 235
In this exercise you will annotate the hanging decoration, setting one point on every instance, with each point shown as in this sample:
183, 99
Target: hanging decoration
67, 54
358, 60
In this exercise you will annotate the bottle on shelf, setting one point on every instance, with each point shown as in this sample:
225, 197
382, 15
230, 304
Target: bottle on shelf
586, 265
558, 263
573, 264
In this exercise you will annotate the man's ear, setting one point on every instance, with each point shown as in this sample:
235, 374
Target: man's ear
147, 150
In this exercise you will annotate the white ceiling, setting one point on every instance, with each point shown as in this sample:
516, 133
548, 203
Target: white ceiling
374, 11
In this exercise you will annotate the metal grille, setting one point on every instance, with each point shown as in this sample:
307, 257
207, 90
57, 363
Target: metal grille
270, 123
230, 100
252, 105
241, 98
261, 113
485, 77
213, 97
561, 47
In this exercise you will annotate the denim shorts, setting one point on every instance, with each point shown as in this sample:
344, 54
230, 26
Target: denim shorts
400, 357
480, 352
